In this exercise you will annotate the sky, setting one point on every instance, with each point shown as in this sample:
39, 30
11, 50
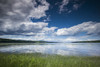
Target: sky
50, 20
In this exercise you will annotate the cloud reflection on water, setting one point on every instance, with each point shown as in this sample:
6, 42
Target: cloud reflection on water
57, 48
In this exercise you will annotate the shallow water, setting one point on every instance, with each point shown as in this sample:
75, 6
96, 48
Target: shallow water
70, 49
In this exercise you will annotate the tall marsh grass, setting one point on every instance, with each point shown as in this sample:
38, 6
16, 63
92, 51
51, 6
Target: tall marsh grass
40, 60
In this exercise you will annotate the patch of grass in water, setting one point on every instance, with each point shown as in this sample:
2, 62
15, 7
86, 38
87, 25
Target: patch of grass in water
40, 60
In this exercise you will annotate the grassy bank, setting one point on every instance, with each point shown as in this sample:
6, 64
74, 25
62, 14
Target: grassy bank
38, 60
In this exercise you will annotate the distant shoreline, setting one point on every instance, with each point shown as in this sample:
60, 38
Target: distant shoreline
21, 41
95, 41
2, 40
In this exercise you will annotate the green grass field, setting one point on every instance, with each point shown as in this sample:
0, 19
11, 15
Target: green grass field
39, 60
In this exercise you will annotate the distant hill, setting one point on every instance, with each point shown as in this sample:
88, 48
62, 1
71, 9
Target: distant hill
20, 41
94, 41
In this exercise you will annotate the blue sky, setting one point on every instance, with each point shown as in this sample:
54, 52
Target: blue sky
50, 20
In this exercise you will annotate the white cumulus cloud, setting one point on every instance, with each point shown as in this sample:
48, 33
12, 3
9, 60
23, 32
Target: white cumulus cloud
15, 15
91, 28
70, 5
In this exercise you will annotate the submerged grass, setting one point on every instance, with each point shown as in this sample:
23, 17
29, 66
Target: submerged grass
39, 60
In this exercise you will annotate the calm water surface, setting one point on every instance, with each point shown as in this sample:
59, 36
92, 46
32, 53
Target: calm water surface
73, 49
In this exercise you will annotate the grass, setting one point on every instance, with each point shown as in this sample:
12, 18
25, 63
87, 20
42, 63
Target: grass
39, 60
